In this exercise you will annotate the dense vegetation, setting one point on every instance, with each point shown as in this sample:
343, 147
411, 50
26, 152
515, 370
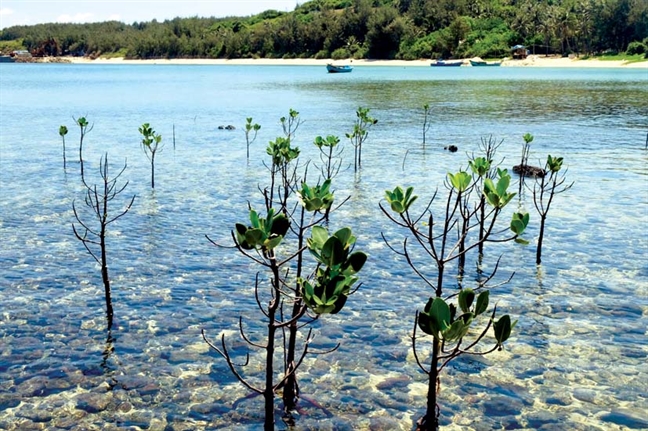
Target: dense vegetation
403, 29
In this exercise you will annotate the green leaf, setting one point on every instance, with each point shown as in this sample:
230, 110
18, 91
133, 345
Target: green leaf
254, 236
528, 138
440, 313
272, 242
460, 181
480, 166
254, 219
308, 291
345, 236
554, 164
482, 302
426, 324
339, 304
241, 228
428, 305
466, 298
456, 331
519, 222
319, 235
280, 225
357, 260
397, 207
503, 329
333, 252
502, 185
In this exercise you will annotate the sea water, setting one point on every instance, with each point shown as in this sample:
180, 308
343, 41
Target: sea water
576, 359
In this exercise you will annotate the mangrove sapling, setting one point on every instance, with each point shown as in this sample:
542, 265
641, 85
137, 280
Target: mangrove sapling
150, 146
451, 319
544, 191
291, 123
278, 243
84, 128
283, 173
63, 130
426, 123
249, 128
98, 200
524, 169
316, 201
360, 133
484, 167
325, 292
330, 155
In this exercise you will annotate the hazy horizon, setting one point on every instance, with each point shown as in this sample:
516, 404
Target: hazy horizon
32, 12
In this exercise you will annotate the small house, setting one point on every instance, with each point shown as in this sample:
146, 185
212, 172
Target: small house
519, 52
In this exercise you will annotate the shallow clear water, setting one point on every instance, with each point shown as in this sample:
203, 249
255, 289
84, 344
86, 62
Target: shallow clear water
576, 361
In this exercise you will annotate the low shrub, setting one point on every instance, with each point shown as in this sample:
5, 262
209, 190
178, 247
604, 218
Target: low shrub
636, 47
340, 54
322, 55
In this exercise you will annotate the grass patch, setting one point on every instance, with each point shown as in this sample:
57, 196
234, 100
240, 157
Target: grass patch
117, 54
8, 46
637, 58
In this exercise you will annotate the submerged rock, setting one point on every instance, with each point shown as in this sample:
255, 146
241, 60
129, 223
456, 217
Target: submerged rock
451, 148
626, 419
529, 171
93, 403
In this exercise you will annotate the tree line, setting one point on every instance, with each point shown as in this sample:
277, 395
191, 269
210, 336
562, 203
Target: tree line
378, 29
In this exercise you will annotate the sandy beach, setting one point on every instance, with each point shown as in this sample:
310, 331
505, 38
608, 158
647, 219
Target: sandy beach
531, 61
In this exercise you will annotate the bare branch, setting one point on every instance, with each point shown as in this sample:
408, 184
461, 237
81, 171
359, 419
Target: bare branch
245, 337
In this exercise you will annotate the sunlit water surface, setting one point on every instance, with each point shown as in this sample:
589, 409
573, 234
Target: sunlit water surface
577, 359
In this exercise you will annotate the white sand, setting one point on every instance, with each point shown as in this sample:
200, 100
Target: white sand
531, 61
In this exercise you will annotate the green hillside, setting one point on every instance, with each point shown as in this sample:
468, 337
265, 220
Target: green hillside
378, 29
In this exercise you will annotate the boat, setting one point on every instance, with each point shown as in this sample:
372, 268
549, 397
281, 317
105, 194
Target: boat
485, 63
445, 63
338, 69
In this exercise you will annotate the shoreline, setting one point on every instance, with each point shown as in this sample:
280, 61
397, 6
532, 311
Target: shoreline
531, 61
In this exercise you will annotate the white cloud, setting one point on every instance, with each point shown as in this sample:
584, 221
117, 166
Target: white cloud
78, 17
114, 17
5, 11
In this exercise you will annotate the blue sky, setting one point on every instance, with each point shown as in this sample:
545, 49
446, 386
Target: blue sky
28, 12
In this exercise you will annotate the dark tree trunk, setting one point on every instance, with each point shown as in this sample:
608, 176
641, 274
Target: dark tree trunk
291, 389
268, 393
64, 160
430, 422
81, 156
482, 216
153, 170
540, 236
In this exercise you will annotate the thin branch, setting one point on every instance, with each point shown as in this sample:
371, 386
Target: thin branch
225, 354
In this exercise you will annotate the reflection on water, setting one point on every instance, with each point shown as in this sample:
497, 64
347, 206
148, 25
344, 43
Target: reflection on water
577, 360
